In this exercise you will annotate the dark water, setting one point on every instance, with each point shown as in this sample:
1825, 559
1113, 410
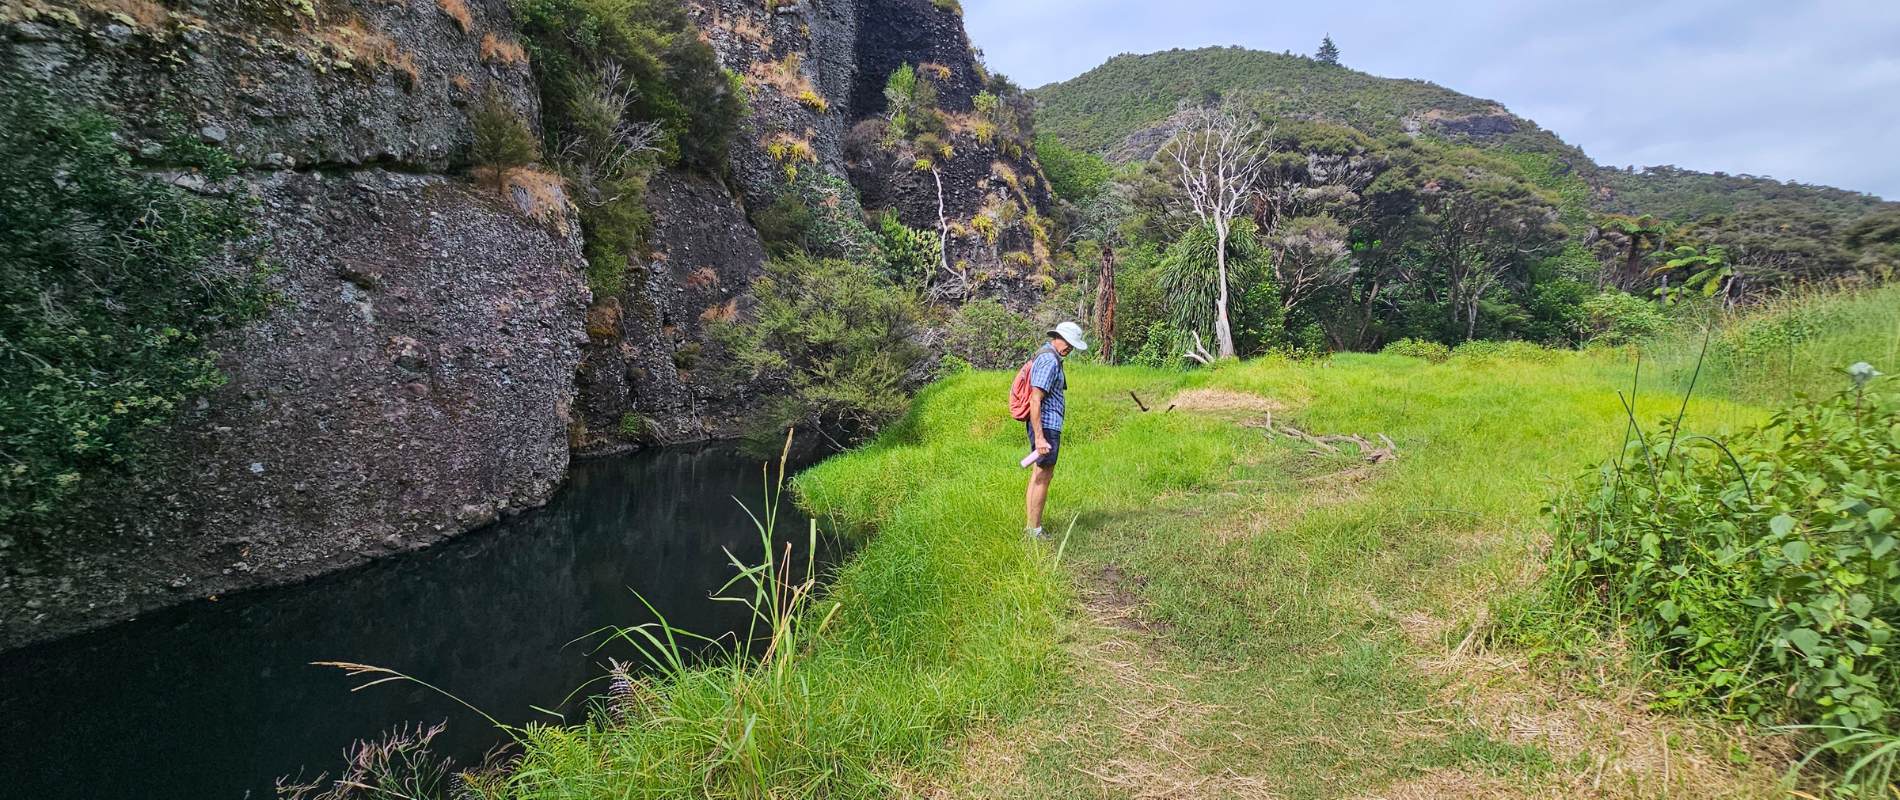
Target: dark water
218, 699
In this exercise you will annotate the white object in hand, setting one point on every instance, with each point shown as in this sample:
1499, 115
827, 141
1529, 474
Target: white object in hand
1031, 458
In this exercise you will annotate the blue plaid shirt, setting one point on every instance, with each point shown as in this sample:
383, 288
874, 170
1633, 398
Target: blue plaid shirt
1047, 376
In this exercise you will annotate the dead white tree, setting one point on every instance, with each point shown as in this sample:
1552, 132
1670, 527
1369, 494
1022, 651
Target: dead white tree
1220, 159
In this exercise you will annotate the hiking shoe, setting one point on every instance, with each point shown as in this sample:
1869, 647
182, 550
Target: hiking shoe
1036, 533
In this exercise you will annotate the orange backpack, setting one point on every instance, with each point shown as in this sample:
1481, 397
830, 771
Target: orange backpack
1019, 390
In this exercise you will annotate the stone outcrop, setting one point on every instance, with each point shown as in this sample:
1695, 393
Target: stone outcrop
1493, 122
815, 74
347, 85
414, 376
649, 374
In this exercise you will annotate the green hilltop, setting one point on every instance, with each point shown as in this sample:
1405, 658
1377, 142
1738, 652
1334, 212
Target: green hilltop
1130, 95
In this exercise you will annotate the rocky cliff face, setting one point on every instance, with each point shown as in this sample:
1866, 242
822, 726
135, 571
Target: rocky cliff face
647, 377
414, 377
815, 73
434, 355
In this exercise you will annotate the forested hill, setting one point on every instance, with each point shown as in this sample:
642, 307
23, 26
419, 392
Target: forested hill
1120, 108
1099, 109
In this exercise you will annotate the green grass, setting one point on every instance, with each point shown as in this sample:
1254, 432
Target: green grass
1795, 344
1276, 585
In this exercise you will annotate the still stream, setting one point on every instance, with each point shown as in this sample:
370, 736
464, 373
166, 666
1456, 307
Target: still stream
218, 699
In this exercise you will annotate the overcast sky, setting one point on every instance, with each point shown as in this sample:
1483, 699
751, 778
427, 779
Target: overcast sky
1805, 90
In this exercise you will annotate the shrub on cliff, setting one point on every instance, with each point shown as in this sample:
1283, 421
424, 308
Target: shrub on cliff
910, 97
836, 336
817, 215
910, 255
626, 86
660, 72
111, 282
502, 137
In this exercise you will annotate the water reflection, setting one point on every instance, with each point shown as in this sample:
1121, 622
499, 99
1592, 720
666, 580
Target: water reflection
215, 700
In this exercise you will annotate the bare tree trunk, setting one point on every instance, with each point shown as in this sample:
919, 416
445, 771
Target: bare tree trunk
1223, 331
1105, 304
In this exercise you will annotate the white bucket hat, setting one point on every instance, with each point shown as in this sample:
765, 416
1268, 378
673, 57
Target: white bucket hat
1070, 332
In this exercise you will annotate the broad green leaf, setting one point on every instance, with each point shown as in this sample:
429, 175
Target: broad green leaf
1796, 551
1782, 524
1805, 639
1882, 545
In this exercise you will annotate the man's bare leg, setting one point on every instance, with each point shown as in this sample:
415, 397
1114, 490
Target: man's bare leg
1038, 493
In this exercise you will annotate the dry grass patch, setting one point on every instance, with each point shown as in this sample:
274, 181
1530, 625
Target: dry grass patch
787, 77
969, 124
1450, 784
721, 312
355, 44
603, 319
541, 196
496, 50
744, 28
1604, 744
139, 13
702, 278
1223, 401
151, 17
457, 10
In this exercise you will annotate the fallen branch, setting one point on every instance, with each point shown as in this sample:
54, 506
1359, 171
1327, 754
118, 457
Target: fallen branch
1328, 443
1198, 352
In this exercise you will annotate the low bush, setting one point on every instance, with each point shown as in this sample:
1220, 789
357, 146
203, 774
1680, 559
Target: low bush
502, 138
1419, 348
818, 215
1159, 345
990, 336
910, 256
1620, 318
1505, 350
836, 336
1760, 577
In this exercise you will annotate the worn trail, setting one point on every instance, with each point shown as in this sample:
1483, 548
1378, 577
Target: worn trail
1218, 649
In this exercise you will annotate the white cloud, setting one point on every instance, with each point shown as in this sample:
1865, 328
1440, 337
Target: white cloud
1806, 91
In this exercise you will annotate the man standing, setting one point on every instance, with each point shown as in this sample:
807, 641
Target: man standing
1046, 411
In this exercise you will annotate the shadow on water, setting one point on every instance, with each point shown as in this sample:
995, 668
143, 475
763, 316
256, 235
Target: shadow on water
218, 699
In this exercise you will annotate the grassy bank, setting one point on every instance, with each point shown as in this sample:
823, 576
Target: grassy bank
1234, 614
1792, 345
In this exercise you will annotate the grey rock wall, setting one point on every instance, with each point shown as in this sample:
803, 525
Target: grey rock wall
414, 378
652, 372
